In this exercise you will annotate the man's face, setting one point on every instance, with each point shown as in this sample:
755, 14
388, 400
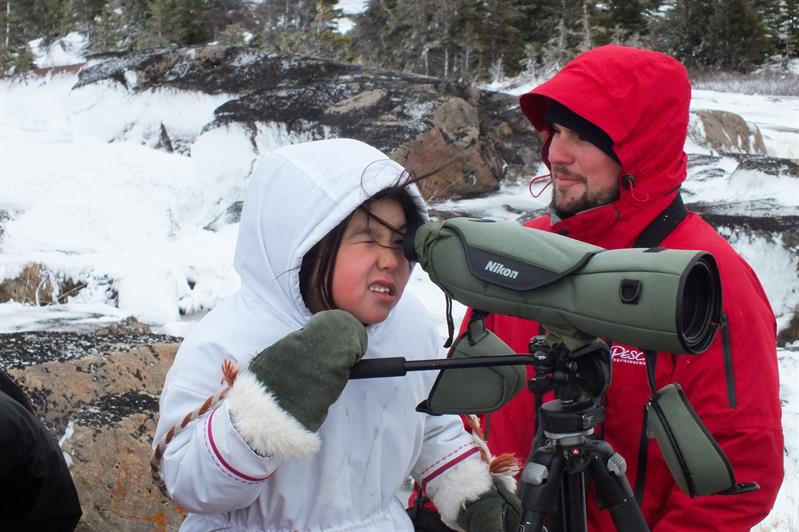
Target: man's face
583, 176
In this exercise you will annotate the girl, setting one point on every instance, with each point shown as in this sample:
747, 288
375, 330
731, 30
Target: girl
321, 229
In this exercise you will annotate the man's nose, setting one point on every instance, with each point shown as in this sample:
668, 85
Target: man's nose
559, 151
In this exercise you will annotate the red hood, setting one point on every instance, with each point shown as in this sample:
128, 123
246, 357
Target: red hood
641, 99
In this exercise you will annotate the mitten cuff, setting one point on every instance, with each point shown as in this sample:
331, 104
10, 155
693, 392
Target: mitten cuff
463, 483
268, 429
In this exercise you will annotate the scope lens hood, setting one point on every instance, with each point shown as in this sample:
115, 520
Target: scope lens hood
698, 303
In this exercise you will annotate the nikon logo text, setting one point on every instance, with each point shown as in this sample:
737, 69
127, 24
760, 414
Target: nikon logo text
500, 269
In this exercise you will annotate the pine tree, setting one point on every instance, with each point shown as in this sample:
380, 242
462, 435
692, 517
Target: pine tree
768, 12
625, 19
108, 28
313, 33
736, 36
220, 15
135, 24
79, 15
39, 18
682, 32
187, 17
500, 35
158, 30
788, 29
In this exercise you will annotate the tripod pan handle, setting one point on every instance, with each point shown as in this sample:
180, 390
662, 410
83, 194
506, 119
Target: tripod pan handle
378, 367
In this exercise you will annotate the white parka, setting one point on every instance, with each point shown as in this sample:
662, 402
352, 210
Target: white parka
372, 438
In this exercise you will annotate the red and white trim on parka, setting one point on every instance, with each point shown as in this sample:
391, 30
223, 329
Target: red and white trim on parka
216, 454
229, 373
266, 428
463, 480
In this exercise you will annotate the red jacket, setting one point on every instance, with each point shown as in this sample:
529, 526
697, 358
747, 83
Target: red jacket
641, 99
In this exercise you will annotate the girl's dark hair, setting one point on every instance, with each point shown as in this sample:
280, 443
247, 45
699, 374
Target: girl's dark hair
320, 261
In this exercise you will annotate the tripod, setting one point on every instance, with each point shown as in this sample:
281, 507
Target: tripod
554, 479
553, 483
565, 457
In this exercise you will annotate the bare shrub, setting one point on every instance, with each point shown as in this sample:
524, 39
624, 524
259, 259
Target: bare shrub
768, 81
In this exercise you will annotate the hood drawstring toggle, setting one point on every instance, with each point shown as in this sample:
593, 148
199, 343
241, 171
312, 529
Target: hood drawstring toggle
628, 181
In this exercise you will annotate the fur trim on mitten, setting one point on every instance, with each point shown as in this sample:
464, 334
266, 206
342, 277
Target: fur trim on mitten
268, 429
463, 483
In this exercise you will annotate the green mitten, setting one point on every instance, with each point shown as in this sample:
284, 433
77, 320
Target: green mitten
495, 510
307, 370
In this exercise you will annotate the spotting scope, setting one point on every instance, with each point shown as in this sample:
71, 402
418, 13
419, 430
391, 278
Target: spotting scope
654, 299
585, 296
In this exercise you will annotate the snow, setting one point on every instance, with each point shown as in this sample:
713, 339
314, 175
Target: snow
68, 50
348, 8
68, 432
352, 7
88, 195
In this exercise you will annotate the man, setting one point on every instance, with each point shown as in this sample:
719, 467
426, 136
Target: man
36, 489
615, 121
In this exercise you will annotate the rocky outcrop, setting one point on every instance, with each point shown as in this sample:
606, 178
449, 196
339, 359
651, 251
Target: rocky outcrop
469, 140
727, 132
98, 394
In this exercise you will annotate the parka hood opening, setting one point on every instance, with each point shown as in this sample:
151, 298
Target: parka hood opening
641, 99
296, 196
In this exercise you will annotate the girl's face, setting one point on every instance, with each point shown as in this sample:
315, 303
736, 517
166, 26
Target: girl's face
370, 271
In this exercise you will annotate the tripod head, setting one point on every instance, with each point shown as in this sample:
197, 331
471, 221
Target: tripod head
578, 378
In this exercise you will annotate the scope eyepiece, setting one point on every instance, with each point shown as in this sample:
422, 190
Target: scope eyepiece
408, 243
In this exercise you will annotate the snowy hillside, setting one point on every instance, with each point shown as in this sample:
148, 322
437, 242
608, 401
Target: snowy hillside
85, 192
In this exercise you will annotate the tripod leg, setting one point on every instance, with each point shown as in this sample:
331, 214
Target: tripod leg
574, 502
540, 487
613, 489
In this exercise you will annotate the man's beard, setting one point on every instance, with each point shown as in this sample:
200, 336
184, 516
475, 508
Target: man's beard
587, 200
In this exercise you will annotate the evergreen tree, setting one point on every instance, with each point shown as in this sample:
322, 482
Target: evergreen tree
39, 18
219, 16
500, 35
788, 29
625, 20
373, 27
135, 24
682, 32
108, 28
231, 35
768, 12
79, 15
736, 36
313, 33
187, 17
157, 29
23, 60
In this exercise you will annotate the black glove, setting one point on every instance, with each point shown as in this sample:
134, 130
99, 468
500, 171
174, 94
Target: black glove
307, 370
